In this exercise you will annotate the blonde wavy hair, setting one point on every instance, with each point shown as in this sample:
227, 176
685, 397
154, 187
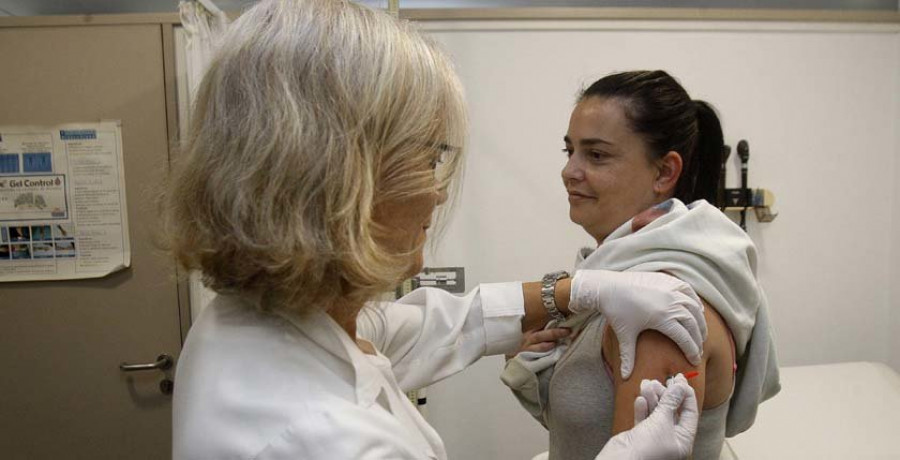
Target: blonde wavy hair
312, 113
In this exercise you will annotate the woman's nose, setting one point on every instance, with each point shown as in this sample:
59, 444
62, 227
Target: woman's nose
572, 170
442, 196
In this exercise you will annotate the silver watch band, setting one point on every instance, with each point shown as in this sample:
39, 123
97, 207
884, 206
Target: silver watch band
548, 294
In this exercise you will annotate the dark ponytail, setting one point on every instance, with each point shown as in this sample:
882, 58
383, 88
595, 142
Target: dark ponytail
701, 181
660, 110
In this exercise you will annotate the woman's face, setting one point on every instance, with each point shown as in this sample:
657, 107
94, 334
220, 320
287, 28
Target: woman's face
407, 220
608, 175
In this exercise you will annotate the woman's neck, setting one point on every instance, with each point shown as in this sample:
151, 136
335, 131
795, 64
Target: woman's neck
345, 315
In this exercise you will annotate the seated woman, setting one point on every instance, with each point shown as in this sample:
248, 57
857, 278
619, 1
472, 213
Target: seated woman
639, 148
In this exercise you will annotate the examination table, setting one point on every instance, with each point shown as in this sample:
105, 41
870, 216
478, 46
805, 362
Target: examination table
840, 411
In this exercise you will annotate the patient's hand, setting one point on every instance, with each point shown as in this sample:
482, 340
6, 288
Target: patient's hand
541, 340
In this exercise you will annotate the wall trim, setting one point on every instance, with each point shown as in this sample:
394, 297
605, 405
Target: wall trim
656, 14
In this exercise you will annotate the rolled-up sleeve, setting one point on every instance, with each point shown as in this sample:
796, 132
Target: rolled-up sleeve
430, 334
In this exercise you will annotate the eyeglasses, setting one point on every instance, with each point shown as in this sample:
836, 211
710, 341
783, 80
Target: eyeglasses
443, 152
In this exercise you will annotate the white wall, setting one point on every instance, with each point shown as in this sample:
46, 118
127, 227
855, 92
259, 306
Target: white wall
819, 106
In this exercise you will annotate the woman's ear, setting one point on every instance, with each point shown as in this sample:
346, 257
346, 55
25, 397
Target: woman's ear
668, 172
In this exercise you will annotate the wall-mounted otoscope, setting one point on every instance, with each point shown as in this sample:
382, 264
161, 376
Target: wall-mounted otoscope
743, 198
743, 151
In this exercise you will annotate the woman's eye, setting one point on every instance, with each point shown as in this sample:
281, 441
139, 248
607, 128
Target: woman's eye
597, 156
567, 151
439, 159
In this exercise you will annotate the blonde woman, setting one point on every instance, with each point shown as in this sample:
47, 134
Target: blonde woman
324, 136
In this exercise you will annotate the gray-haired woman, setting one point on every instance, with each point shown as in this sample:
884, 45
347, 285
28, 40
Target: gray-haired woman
324, 136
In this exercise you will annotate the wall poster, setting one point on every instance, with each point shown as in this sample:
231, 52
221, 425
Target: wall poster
62, 202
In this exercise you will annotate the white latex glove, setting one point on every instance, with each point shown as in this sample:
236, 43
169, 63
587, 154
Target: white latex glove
646, 402
636, 301
669, 431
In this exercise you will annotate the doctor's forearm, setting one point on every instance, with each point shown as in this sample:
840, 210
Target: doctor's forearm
535, 313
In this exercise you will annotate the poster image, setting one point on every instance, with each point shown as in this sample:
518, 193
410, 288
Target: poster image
65, 248
21, 252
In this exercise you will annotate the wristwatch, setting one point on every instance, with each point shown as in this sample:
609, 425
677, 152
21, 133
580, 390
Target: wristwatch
548, 293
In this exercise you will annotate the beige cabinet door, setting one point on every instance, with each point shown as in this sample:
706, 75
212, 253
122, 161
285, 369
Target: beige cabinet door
62, 395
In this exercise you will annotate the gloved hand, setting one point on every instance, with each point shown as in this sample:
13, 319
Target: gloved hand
669, 431
636, 301
646, 402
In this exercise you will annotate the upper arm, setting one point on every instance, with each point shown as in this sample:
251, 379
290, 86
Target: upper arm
656, 357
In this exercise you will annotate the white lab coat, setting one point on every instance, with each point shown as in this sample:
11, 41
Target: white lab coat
251, 385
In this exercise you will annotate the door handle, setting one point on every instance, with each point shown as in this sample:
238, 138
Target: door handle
162, 363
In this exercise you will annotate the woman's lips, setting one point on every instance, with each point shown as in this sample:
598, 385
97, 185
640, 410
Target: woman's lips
575, 197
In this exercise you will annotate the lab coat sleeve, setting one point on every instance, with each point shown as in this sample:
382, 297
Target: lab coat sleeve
430, 334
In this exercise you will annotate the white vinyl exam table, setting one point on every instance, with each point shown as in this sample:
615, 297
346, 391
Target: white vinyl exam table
829, 411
